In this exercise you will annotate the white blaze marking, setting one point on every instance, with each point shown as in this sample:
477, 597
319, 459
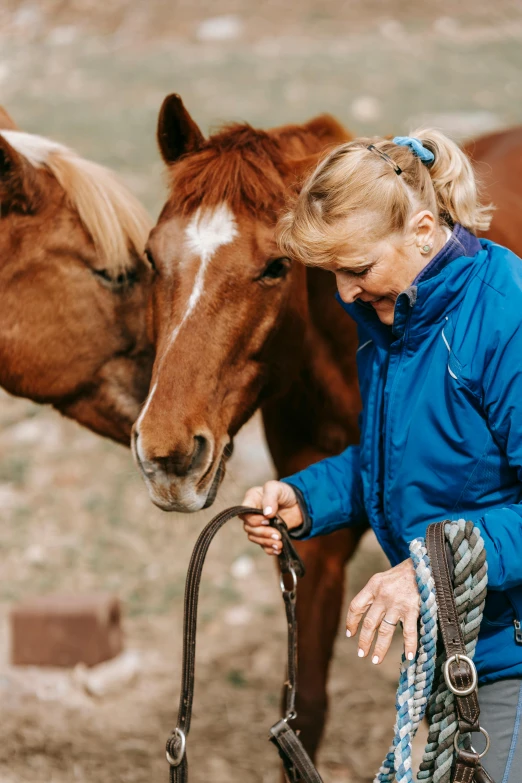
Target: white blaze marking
144, 410
207, 231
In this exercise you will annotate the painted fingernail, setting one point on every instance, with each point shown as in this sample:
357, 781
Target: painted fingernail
264, 521
267, 511
410, 656
274, 535
275, 547
348, 633
360, 653
375, 659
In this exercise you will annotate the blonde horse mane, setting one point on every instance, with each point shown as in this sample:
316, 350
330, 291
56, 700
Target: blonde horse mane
116, 221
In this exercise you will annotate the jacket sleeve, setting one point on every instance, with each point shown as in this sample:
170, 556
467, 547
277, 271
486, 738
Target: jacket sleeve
502, 403
331, 491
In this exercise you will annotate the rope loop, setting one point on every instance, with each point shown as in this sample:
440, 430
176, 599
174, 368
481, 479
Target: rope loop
422, 687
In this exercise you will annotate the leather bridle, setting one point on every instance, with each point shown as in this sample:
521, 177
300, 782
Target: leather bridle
297, 764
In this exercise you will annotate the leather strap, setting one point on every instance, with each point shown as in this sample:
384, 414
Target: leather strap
298, 765
468, 768
460, 674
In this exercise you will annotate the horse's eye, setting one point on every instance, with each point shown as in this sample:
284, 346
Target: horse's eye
150, 259
103, 274
276, 269
118, 281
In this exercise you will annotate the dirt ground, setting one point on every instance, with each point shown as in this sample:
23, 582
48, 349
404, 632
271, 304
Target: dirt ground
74, 514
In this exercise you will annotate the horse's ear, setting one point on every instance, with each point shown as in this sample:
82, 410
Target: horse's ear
19, 189
296, 169
177, 131
6, 121
328, 128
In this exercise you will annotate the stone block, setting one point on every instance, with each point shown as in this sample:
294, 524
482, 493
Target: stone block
63, 630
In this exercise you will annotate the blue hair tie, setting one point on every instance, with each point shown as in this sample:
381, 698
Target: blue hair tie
416, 147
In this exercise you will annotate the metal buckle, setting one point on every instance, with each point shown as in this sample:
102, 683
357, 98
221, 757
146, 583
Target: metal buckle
482, 731
176, 762
474, 677
292, 573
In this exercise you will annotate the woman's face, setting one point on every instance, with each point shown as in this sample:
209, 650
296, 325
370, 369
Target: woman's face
390, 266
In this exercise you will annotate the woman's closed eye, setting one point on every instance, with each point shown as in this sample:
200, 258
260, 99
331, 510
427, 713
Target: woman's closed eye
361, 272
354, 272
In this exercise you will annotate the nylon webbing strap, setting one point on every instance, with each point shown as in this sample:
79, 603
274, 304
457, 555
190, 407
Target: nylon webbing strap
298, 765
468, 768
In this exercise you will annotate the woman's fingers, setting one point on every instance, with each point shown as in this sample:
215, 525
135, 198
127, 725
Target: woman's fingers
254, 499
384, 636
357, 608
387, 598
410, 635
370, 624
267, 537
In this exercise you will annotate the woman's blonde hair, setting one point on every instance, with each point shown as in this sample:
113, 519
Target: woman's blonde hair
356, 192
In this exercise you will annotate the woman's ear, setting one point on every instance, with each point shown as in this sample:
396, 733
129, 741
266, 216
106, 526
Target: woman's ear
423, 227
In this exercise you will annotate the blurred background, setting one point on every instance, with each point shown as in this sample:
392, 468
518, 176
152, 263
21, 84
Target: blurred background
74, 514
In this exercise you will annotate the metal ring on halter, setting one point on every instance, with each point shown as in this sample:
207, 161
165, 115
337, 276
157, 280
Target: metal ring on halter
294, 581
474, 677
177, 761
482, 731
290, 716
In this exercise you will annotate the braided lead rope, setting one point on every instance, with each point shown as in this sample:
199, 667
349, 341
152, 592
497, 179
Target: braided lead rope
423, 676
416, 677
470, 586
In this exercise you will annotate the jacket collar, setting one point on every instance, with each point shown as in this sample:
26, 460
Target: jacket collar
436, 290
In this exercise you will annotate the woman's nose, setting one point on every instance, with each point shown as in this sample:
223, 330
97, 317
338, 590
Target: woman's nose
349, 290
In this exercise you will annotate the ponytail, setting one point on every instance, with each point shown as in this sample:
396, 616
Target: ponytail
454, 182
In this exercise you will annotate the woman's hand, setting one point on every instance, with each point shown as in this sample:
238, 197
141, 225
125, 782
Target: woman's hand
274, 498
392, 595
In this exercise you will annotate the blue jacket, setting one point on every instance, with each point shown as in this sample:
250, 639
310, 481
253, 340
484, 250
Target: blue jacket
441, 430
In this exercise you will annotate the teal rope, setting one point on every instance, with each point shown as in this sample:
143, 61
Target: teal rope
416, 677
421, 684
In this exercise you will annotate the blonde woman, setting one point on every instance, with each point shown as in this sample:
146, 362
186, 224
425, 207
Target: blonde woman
439, 314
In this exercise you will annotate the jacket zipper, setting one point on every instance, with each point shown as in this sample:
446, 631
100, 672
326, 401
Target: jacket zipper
518, 631
387, 425
516, 621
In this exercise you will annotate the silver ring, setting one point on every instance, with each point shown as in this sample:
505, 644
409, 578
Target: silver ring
474, 677
384, 620
482, 731
294, 581
176, 762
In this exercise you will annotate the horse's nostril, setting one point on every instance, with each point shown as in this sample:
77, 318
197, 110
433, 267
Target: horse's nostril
193, 456
199, 454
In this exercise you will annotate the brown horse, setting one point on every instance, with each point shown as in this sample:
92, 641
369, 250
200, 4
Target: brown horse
497, 158
74, 284
236, 328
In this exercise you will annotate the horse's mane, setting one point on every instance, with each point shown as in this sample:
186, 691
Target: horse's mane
114, 218
239, 165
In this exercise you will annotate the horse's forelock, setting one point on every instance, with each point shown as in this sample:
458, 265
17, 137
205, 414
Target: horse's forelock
111, 215
239, 166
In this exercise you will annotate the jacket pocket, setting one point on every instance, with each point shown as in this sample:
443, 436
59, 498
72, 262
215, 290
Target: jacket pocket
498, 611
